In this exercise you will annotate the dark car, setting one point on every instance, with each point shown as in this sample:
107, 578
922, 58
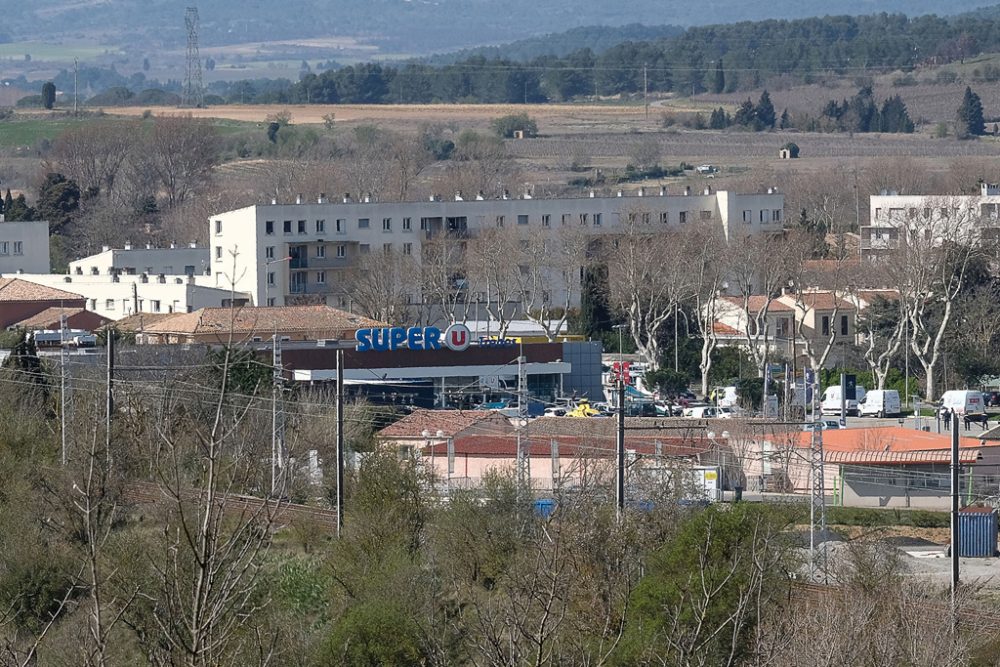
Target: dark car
991, 398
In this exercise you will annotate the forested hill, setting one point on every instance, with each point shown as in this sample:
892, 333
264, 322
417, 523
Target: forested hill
417, 27
689, 63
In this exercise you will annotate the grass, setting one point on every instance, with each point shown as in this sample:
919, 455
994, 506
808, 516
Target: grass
28, 131
55, 52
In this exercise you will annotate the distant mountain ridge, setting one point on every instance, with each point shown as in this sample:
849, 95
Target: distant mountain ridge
417, 27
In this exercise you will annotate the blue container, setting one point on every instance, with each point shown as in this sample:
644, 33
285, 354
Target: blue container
544, 507
977, 532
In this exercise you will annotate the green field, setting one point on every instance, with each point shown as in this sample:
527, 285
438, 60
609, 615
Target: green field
56, 52
27, 132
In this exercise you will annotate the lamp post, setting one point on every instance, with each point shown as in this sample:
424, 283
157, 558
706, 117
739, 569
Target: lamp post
277, 440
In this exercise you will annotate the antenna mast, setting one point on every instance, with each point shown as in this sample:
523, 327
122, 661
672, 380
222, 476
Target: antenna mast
193, 84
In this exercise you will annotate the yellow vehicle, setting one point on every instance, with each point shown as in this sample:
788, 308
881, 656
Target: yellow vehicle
582, 409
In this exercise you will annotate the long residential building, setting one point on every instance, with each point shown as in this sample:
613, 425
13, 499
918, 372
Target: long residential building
282, 253
24, 247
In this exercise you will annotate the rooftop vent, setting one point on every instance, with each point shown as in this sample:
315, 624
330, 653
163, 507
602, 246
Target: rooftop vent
321, 199
298, 198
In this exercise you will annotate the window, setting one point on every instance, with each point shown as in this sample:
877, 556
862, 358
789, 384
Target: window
927, 213
776, 215
565, 218
270, 277
706, 215
645, 218
268, 252
341, 226
387, 248
664, 218
269, 227
362, 223
218, 252
762, 214
302, 226
320, 226
321, 252
4, 248
407, 224
597, 220
364, 248
878, 213
944, 213
843, 325
546, 220
407, 248
386, 224
321, 277
522, 219
109, 304
342, 251
423, 224
218, 226
912, 213
682, 217
154, 305
584, 218
287, 227
270, 302
826, 325
189, 270
499, 221
748, 216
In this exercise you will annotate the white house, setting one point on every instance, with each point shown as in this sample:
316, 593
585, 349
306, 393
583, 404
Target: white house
173, 261
24, 247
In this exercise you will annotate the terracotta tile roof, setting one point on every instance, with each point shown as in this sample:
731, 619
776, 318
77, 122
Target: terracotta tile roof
756, 304
724, 329
885, 439
637, 427
50, 317
965, 455
249, 320
141, 321
823, 300
505, 446
870, 295
15, 289
450, 422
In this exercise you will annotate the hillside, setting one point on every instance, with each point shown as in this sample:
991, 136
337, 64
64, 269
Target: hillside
433, 26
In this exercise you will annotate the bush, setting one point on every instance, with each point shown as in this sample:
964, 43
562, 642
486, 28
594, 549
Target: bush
506, 126
793, 149
375, 633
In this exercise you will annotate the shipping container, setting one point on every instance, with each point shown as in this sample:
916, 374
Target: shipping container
977, 532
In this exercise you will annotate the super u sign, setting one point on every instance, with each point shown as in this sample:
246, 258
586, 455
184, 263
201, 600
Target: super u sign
457, 337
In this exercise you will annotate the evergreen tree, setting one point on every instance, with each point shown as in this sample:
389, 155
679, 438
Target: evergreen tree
764, 112
58, 199
784, 123
894, 116
595, 313
970, 115
719, 84
7, 201
719, 120
48, 94
18, 209
744, 114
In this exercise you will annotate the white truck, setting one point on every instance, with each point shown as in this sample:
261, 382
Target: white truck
830, 405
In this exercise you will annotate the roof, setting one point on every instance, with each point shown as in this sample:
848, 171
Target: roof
248, 320
885, 439
505, 446
870, 295
140, 321
756, 303
991, 434
450, 422
965, 455
15, 289
636, 427
51, 316
722, 329
821, 300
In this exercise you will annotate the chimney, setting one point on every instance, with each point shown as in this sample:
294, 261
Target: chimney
193, 244
505, 195
105, 248
274, 201
663, 191
347, 197
173, 244
480, 196
770, 191
322, 198
708, 189
593, 194
458, 195
527, 195
149, 246
620, 193
368, 197
687, 190
642, 191
433, 198
298, 198
128, 245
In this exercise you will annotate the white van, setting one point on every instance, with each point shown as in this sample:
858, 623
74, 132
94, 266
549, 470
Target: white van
880, 403
831, 401
964, 402
701, 412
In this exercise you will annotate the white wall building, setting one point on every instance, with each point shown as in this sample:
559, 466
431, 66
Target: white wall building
972, 217
24, 247
173, 261
324, 238
118, 296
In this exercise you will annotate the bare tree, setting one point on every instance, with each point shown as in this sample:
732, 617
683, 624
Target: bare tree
548, 276
706, 250
493, 275
94, 154
381, 284
183, 151
443, 284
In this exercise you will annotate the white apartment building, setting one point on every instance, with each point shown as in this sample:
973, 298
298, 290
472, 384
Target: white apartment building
24, 247
173, 261
972, 217
278, 251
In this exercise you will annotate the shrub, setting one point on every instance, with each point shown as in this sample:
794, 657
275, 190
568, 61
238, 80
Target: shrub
506, 126
792, 148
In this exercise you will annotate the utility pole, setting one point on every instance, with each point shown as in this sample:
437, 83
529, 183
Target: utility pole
817, 505
277, 417
620, 447
76, 85
645, 90
954, 513
523, 442
62, 384
340, 441
110, 402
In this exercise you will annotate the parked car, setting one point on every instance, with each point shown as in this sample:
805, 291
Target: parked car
992, 398
702, 412
826, 424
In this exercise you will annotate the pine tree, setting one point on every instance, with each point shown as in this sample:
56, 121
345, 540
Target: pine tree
894, 116
970, 115
784, 123
764, 112
744, 114
719, 85
7, 201
719, 120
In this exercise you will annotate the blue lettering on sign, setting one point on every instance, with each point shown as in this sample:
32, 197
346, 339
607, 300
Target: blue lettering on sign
389, 339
